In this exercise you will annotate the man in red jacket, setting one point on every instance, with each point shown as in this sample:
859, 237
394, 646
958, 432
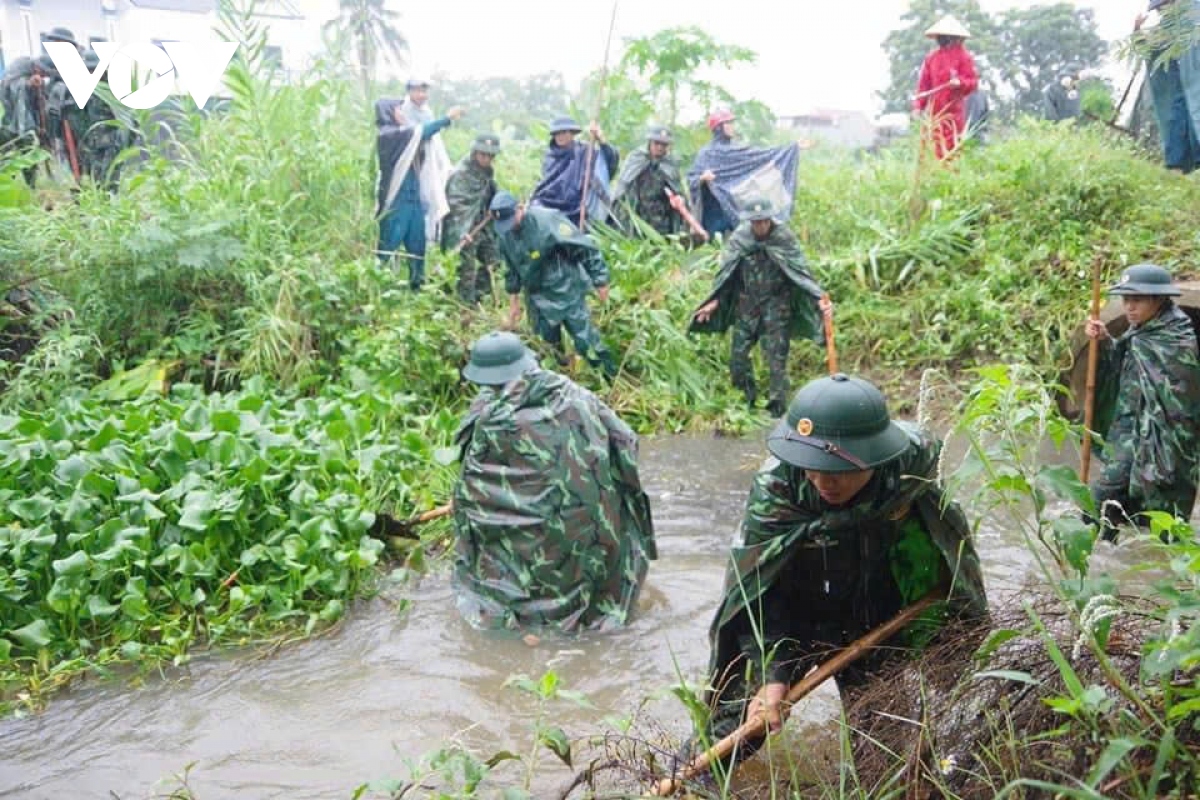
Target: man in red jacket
947, 77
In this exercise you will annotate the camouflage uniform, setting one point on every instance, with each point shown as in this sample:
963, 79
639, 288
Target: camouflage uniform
1150, 454
766, 294
641, 191
804, 575
552, 527
20, 116
556, 266
469, 193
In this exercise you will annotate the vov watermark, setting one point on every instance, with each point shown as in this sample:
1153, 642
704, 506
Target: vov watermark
199, 68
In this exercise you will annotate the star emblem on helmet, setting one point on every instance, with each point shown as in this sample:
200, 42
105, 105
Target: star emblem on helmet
804, 426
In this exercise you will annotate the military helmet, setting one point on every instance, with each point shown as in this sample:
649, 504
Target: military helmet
486, 143
659, 133
498, 358
564, 123
837, 424
504, 211
1145, 279
756, 208
60, 35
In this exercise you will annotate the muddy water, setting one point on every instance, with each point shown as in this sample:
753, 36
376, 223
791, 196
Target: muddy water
317, 719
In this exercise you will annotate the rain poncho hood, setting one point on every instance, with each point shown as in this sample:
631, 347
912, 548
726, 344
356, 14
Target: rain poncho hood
468, 194
639, 160
743, 172
784, 510
782, 247
555, 263
552, 527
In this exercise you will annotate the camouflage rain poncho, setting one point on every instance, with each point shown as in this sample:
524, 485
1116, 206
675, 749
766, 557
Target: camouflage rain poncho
782, 248
639, 191
920, 539
1151, 442
469, 191
552, 526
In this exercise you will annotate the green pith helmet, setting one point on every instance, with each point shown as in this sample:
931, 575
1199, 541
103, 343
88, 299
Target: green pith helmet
486, 143
659, 133
498, 358
837, 424
60, 35
1145, 279
757, 208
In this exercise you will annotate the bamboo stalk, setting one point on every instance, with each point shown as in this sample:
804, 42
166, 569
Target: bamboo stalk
1089, 392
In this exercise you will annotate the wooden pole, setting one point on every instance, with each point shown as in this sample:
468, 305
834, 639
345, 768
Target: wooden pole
1089, 392
756, 728
591, 153
830, 346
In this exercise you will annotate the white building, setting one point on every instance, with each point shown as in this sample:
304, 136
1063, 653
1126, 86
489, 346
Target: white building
294, 37
852, 129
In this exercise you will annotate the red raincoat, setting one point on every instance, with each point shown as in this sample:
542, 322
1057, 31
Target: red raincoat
946, 105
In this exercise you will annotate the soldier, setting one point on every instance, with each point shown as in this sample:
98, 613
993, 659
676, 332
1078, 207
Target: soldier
470, 191
765, 292
556, 266
102, 138
1060, 100
844, 527
1150, 446
563, 168
647, 181
20, 124
552, 527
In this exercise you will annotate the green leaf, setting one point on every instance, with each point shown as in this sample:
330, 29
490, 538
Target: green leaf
99, 608
1010, 675
32, 509
5, 651
34, 635
71, 470
197, 508
445, 456
226, 421
1064, 483
996, 639
502, 756
1077, 539
555, 740
74, 564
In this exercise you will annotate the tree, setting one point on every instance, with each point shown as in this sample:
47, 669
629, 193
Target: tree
906, 47
1039, 42
668, 61
372, 29
508, 105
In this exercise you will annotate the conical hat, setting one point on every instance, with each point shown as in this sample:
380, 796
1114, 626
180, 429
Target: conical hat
948, 26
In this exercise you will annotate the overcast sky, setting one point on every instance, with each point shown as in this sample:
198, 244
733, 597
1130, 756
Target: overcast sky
812, 53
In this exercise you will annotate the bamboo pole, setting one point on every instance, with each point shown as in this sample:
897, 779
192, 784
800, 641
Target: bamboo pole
1089, 392
591, 153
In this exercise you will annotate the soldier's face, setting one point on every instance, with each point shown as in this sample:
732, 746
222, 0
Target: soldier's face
658, 149
484, 159
564, 138
761, 228
838, 488
1140, 308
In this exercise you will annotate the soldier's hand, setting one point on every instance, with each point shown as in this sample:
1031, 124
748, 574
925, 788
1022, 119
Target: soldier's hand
768, 704
456, 113
826, 306
708, 176
597, 134
704, 313
602, 293
1096, 329
466, 239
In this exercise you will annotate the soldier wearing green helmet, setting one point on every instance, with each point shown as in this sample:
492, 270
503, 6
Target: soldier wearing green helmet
765, 292
846, 525
552, 527
469, 193
646, 184
1148, 403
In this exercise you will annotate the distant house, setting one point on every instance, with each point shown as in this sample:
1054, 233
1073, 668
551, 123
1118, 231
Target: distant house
851, 129
293, 37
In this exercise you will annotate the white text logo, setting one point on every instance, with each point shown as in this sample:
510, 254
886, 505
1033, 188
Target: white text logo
199, 67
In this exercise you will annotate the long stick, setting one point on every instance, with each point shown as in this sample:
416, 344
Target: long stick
681, 209
756, 728
830, 346
72, 150
591, 153
464, 241
1089, 392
